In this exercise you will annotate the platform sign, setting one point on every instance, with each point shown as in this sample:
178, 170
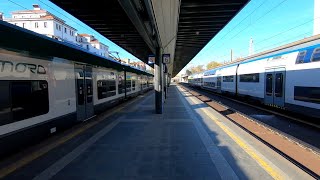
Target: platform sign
165, 58
151, 59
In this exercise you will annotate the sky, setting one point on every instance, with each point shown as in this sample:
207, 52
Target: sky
270, 23
7, 6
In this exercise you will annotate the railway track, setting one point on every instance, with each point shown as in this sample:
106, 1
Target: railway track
302, 133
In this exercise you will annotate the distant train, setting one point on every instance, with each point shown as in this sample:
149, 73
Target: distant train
287, 77
47, 86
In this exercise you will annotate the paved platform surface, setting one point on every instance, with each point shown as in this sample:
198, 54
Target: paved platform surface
182, 143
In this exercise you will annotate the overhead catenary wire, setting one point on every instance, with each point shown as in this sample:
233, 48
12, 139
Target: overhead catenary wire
273, 36
233, 28
270, 10
81, 24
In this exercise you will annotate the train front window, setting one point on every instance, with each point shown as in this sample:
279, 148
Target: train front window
316, 55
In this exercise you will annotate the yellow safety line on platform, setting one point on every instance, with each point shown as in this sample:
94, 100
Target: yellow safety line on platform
265, 165
26, 160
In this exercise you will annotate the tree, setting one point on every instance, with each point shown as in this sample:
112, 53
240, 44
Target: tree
188, 72
196, 69
212, 64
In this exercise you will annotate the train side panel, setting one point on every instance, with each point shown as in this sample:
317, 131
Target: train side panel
251, 79
38, 95
303, 85
228, 83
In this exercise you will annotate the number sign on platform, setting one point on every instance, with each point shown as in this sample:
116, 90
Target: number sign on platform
166, 58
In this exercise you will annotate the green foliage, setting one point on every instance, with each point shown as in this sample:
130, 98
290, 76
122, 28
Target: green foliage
188, 72
213, 64
196, 69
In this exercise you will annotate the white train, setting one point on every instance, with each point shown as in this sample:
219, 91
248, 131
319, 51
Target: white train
286, 77
42, 94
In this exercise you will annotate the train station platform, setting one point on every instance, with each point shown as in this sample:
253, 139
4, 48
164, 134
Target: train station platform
188, 141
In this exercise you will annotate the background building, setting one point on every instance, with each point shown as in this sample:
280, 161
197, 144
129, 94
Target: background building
92, 44
43, 22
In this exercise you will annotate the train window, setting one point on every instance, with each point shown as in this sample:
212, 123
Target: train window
300, 58
277, 57
228, 78
278, 89
316, 55
249, 77
120, 84
5, 104
89, 90
128, 85
133, 85
269, 84
106, 88
29, 99
307, 94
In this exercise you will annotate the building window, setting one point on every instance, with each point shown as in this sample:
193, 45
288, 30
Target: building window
307, 94
36, 25
316, 55
22, 100
45, 24
249, 77
87, 46
59, 27
65, 30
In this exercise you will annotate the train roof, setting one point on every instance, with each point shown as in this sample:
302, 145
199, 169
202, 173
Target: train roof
25, 41
265, 54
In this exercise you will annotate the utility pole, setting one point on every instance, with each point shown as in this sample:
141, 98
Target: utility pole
251, 50
231, 55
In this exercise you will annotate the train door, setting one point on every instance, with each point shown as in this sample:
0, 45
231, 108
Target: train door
219, 83
274, 87
84, 92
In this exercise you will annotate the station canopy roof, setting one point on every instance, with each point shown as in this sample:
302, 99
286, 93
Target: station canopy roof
179, 27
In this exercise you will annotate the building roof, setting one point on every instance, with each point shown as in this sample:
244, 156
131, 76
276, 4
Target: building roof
94, 41
29, 11
47, 17
85, 35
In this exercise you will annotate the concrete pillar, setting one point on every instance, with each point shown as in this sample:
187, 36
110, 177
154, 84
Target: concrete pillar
316, 21
158, 81
125, 85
